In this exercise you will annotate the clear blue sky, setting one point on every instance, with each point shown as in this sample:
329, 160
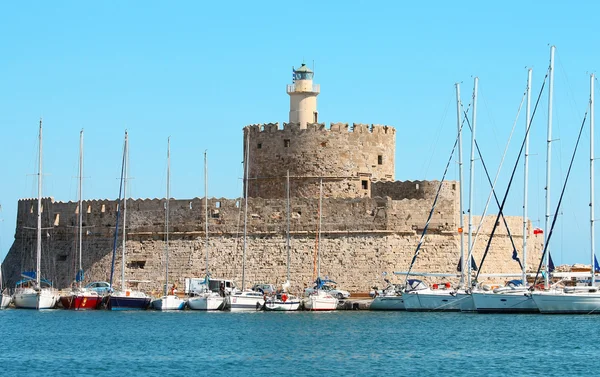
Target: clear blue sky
200, 71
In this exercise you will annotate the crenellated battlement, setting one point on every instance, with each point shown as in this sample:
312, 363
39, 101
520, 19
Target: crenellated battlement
360, 128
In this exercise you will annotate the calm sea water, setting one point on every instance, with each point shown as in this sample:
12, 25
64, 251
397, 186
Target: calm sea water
345, 343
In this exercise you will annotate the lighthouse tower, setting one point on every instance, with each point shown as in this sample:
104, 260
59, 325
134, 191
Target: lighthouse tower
303, 97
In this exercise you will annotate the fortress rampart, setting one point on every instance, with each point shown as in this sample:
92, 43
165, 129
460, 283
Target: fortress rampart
347, 158
361, 238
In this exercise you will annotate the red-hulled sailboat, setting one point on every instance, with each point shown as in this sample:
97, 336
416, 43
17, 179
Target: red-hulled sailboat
79, 298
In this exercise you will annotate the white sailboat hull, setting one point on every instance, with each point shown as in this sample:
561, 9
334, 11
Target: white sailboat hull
277, 305
388, 303
29, 298
170, 302
509, 302
245, 301
207, 302
320, 301
6, 300
434, 300
558, 302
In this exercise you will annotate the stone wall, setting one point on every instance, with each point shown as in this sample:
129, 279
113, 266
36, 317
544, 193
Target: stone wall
361, 238
342, 156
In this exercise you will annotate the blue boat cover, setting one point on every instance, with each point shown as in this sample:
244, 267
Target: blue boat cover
80, 276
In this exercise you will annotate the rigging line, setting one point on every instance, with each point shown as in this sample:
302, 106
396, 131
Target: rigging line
512, 176
487, 174
491, 118
570, 92
487, 203
112, 267
437, 136
559, 202
414, 259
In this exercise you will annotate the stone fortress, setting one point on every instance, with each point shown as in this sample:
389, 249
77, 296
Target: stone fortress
370, 223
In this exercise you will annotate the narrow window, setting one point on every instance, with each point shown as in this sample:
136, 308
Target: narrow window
62, 258
103, 208
286, 143
380, 160
56, 219
89, 210
218, 204
417, 186
365, 185
259, 146
139, 264
316, 117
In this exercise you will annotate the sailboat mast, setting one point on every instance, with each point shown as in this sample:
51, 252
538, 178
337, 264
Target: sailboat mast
460, 186
167, 216
246, 163
320, 222
206, 208
548, 165
526, 172
80, 192
472, 179
592, 238
39, 213
287, 241
125, 168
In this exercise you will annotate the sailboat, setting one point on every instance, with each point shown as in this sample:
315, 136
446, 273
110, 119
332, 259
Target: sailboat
207, 299
318, 298
390, 298
5, 298
33, 292
284, 301
245, 300
125, 299
79, 298
514, 297
443, 297
169, 301
578, 299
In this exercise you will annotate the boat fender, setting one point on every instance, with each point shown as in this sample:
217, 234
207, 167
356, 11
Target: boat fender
447, 285
435, 286
284, 297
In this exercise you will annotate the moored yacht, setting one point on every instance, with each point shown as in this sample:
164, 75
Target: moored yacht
33, 292
390, 298
512, 298
244, 301
29, 295
80, 299
320, 300
439, 297
128, 300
